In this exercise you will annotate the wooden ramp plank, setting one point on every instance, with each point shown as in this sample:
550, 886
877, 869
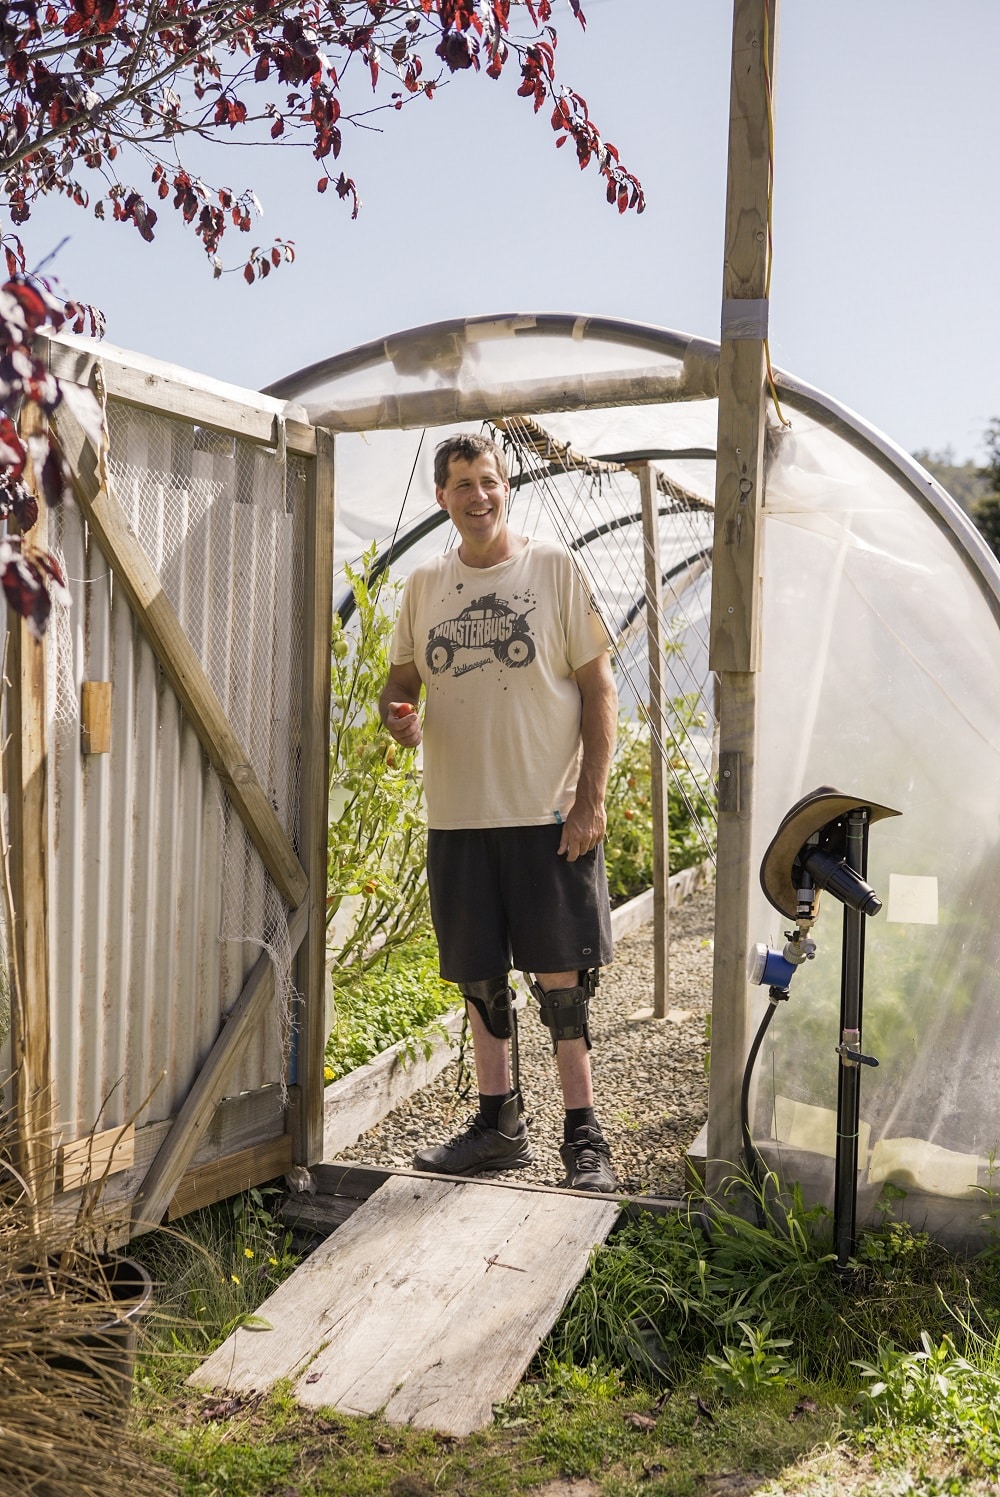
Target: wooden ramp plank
301, 1311
428, 1304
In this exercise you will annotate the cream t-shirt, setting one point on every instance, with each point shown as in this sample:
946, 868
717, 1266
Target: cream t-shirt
496, 648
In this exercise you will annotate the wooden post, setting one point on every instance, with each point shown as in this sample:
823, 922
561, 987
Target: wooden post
315, 797
657, 739
26, 785
735, 573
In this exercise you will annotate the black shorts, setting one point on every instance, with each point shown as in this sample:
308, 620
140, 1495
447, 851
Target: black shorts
502, 898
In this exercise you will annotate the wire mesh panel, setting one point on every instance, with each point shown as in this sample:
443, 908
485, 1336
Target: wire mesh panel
594, 509
160, 904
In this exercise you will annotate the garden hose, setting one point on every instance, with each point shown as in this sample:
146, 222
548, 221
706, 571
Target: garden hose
751, 1156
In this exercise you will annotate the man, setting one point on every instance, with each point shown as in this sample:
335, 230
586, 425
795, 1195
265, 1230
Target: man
518, 734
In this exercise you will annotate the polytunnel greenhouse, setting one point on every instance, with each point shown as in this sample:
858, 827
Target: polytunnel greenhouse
878, 674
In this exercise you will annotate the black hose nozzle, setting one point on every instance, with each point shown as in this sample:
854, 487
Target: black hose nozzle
843, 883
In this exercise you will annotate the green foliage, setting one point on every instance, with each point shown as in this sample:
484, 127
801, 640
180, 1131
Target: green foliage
986, 515
757, 1363
964, 481
380, 1002
925, 1418
938, 1391
628, 846
216, 1466
376, 851
565, 1382
985, 511
614, 1444
211, 1273
896, 1249
667, 1294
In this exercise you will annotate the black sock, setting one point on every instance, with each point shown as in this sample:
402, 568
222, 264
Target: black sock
489, 1107
578, 1117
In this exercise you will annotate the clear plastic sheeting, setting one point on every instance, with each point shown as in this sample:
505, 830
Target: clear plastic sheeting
879, 674
480, 367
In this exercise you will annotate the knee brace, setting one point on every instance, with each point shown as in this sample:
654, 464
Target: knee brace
565, 1012
492, 998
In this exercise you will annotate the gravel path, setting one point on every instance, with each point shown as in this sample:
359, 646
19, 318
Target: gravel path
650, 1080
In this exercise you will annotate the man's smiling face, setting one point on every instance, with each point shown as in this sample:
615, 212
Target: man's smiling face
475, 497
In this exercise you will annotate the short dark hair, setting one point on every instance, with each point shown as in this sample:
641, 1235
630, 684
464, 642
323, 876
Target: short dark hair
466, 446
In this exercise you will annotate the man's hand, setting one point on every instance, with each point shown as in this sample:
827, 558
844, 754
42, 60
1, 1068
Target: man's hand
583, 828
586, 822
403, 723
395, 704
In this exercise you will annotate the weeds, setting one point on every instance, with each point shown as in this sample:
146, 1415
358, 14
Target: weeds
211, 1276
394, 998
699, 1343
665, 1292
65, 1377
934, 1391
757, 1363
668, 1296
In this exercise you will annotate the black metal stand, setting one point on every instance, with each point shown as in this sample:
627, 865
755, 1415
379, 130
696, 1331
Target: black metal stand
845, 1199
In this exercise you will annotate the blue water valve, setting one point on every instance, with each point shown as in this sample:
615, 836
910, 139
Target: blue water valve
765, 965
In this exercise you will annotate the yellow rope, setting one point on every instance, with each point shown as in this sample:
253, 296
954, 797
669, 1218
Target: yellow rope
770, 204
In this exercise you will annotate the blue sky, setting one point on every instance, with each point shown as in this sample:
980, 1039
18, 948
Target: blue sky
887, 226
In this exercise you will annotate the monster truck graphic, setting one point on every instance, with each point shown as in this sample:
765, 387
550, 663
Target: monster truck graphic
485, 624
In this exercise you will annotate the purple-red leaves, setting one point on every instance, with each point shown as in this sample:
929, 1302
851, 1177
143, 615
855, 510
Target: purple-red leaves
134, 209
13, 454
346, 189
230, 112
30, 577
278, 68
34, 305
14, 253
261, 261
458, 50
24, 506
31, 580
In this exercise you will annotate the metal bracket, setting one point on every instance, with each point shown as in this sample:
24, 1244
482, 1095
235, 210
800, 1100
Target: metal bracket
729, 780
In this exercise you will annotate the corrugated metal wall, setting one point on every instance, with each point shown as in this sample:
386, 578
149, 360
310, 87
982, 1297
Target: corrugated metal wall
154, 889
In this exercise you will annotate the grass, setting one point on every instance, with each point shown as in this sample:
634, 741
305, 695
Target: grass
63, 1386
377, 1005
701, 1354
209, 1277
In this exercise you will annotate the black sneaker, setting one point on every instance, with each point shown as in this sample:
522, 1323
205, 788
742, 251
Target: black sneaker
587, 1161
478, 1149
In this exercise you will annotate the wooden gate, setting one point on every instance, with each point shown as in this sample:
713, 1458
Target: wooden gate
167, 776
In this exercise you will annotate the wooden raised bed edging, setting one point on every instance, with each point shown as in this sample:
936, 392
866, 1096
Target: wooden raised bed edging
358, 1101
